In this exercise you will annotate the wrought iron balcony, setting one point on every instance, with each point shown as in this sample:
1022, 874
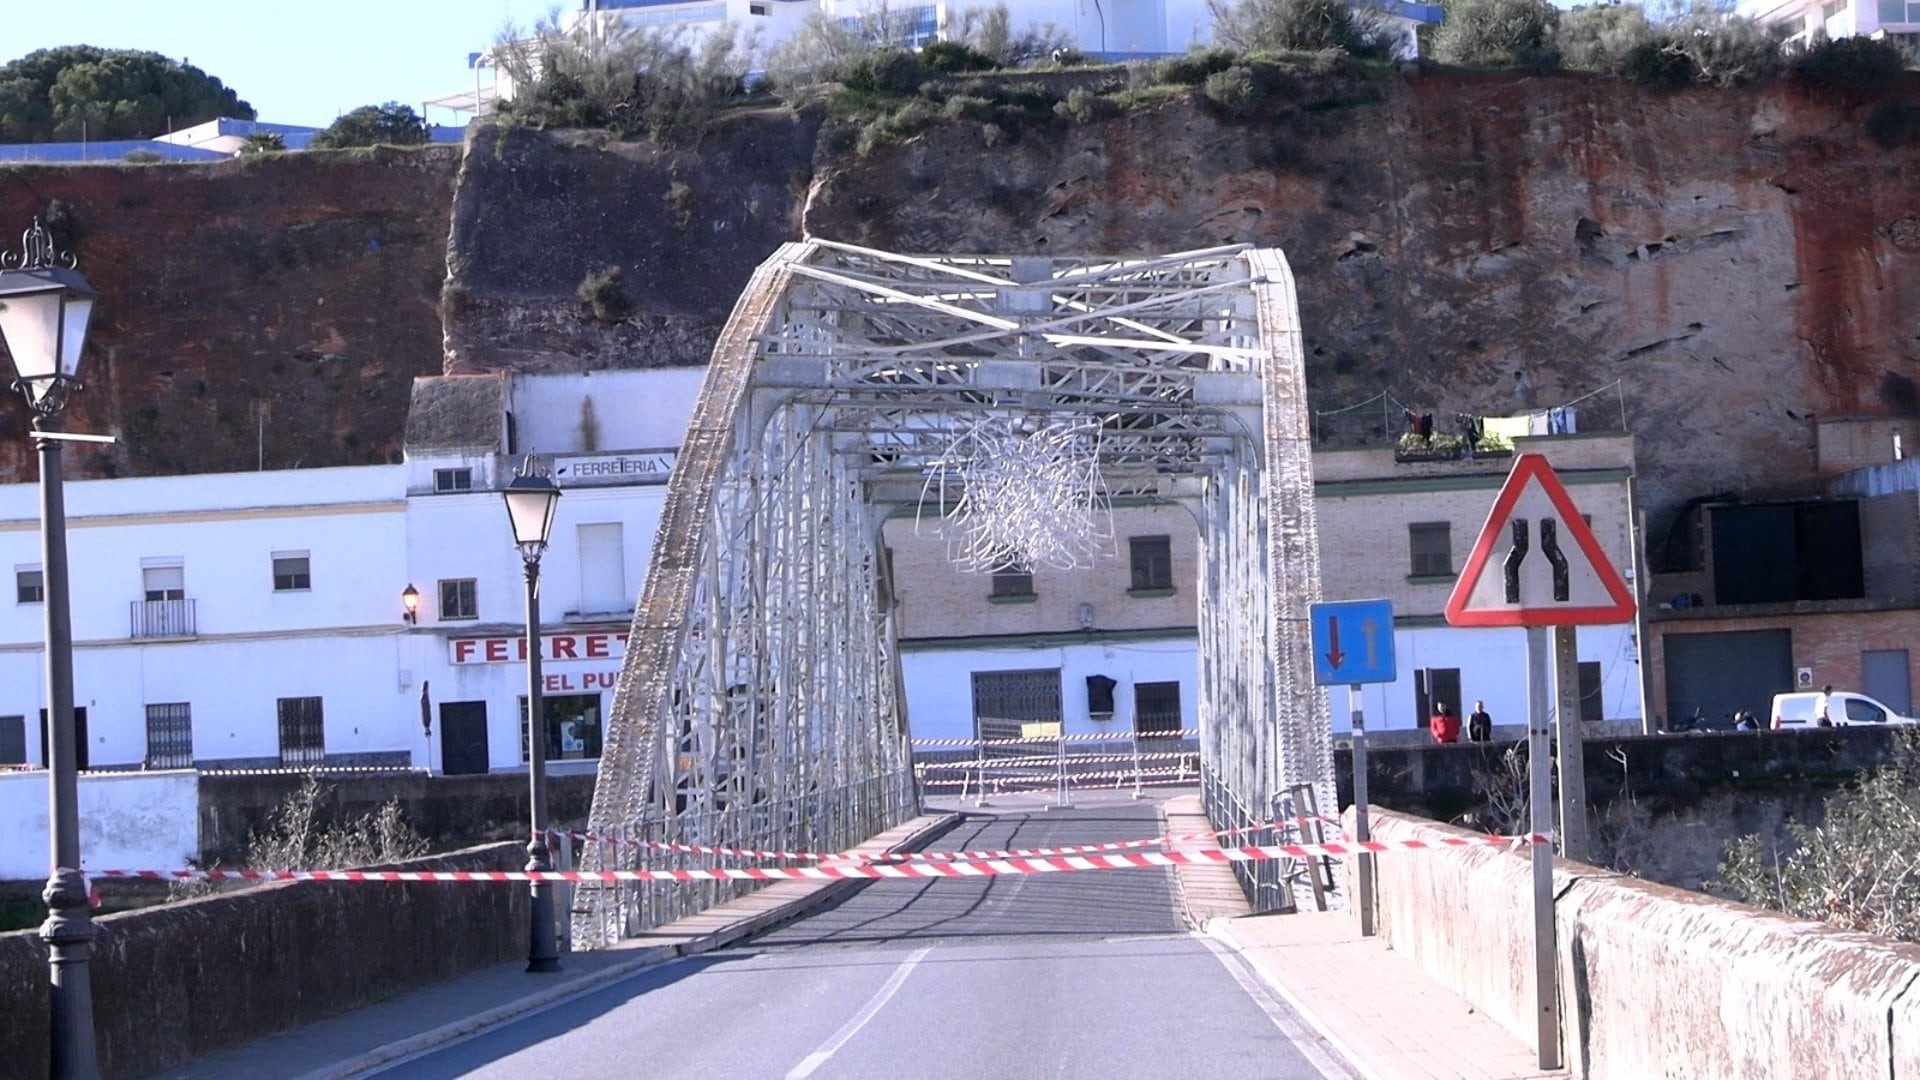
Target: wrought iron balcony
162, 618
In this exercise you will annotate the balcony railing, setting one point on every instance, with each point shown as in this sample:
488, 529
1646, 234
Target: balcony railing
162, 618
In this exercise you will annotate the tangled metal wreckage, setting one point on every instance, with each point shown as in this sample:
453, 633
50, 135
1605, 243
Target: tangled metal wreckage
760, 704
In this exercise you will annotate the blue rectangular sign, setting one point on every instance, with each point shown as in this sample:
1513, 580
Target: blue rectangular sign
1353, 642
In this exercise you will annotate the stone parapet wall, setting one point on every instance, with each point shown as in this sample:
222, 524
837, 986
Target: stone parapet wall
1653, 981
178, 982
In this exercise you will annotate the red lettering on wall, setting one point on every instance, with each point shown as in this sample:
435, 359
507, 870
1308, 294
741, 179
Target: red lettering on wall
557, 682
496, 650
463, 648
563, 647
597, 646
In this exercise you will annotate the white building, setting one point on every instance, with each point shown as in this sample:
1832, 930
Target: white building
1808, 20
248, 619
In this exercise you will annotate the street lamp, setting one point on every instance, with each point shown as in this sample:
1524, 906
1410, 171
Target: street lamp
44, 308
531, 498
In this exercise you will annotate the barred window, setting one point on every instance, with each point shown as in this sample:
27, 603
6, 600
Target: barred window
303, 739
170, 736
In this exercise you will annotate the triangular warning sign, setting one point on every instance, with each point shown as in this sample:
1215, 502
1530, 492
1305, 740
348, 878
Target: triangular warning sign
1547, 570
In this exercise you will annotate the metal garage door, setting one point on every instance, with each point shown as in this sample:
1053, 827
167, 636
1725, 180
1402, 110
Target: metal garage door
1718, 673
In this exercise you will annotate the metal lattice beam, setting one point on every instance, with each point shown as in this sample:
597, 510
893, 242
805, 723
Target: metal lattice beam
760, 703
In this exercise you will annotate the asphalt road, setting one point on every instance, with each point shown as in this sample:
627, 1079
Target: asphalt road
1088, 974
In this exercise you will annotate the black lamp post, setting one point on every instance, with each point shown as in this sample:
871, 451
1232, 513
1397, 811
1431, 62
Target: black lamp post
531, 498
44, 308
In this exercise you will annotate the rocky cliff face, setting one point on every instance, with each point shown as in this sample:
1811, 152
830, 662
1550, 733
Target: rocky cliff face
1739, 262
264, 312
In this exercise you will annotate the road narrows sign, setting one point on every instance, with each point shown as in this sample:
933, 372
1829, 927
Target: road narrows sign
1537, 562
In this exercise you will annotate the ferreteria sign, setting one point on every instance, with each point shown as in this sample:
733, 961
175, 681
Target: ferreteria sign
604, 645
635, 467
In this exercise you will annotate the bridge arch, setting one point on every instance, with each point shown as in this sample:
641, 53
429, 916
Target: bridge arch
760, 704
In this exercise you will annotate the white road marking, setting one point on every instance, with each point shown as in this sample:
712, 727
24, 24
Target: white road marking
867, 1012
1307, 1042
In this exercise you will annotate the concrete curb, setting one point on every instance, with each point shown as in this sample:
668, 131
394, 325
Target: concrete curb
644, 957
1221, 930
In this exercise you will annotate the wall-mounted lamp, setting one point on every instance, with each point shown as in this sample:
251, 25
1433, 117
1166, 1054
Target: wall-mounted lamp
410, 599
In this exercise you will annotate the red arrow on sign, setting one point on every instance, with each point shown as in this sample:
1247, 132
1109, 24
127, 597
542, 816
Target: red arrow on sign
1334, 655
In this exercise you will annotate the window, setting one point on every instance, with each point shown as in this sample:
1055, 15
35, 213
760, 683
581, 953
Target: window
28, 586
1012, 583
290, 571
303, 735
759, 9
1152, 562
170, 736
1432, 545
1861, 712
1590, 702
13, 740
445, 480
164, 582
603, 568
458, 599
1156, 708
1006, 703
572, 726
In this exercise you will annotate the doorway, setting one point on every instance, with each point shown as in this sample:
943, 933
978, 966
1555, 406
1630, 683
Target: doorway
463, 737
79, 739
1433, 687
1886, 677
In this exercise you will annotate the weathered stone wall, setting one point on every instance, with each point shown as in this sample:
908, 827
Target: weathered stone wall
1653, 981
1663, 807
450, 811
236, 967
271, 310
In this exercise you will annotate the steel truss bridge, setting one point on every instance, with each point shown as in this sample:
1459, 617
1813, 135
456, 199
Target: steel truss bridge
760, 705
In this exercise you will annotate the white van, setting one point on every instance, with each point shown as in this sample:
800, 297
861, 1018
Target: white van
1844, 709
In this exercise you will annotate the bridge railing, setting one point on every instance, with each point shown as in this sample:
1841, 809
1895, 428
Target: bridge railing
977, 769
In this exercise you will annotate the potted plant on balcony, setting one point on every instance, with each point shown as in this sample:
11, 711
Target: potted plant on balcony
1437, 447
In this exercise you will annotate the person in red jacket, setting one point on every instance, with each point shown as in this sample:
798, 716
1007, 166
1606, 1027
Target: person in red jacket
1444, 725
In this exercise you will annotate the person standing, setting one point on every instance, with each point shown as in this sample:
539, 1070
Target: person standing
1480, 724
1444, 725
1820, 705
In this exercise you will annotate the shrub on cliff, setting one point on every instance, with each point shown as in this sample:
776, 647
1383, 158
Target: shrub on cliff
1859, 869
80, 91
1498, 33
1725, 49
627, 80
605, 293
1856, 66
1602, 37
886, 71
1299, 26
1894, 124
391, 124
989, 32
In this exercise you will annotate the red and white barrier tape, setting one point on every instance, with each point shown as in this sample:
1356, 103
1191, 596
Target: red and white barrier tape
911, 856
839, 871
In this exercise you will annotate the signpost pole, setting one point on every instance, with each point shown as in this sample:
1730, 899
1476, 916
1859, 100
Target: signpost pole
1360, 831
1573, 771
1540, 807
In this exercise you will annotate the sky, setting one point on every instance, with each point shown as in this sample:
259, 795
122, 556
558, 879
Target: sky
295, 63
